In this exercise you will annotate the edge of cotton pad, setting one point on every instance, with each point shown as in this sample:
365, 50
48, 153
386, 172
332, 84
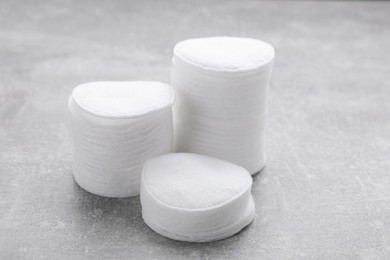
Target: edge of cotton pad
246, 219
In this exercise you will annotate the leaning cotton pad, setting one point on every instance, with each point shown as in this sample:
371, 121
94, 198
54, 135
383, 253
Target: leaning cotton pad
116, 126
191, 197
221, 86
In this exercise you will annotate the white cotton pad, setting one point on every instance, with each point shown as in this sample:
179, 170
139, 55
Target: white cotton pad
116, 126
123, 99
221, 86
192, 197
229, 54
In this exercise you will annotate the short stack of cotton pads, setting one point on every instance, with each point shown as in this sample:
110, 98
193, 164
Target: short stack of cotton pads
116, 126
191, 197
221, 88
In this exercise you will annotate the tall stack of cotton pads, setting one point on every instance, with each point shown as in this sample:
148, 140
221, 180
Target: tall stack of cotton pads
195, 198
221, 87
116, 126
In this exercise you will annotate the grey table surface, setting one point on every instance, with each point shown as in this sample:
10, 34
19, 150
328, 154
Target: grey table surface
325, 192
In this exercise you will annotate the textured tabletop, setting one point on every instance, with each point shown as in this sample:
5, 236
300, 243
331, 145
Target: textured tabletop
325, 192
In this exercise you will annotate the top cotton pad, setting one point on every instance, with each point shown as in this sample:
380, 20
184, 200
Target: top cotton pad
192, 197
123, 99
116, 126
221, 86
225, 53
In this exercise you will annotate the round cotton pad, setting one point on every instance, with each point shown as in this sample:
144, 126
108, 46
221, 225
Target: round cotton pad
225, 53
196, 198
123, 99
116, 126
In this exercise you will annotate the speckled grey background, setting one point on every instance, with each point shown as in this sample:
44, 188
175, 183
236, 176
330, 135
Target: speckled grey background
325, 193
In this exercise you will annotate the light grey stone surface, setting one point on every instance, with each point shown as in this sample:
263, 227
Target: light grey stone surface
325, 192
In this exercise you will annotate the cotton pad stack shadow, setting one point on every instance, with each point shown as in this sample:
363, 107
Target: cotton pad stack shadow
221, 88
116, 126
191, 197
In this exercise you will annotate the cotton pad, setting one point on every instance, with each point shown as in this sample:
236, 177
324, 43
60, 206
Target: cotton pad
230, 54
221, 86
196, 198
116, 126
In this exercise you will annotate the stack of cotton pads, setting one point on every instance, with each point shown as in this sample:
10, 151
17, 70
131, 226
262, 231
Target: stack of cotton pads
123, 138
116, 126
195, 198
221, 87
